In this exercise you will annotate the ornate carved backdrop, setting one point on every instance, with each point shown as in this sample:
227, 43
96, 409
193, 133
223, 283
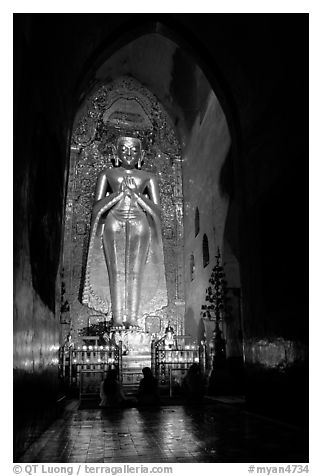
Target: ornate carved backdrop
124, 107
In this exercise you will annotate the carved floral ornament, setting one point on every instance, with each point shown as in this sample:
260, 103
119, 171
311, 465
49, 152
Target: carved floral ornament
124, 107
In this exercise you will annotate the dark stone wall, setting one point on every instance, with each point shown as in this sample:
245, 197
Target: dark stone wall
259, 71
258, 68
41, 125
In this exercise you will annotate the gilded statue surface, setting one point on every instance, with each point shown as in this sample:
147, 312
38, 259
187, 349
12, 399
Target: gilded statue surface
125, 264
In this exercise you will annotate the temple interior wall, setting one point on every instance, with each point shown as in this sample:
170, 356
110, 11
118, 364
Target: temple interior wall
38, 191
203, 158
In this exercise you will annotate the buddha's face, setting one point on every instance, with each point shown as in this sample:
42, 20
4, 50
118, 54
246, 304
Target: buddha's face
129, 151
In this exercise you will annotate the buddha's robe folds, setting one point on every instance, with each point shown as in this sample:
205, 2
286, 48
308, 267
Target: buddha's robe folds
125, 265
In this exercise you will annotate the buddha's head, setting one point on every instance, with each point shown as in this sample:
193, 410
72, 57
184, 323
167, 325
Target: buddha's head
129, 151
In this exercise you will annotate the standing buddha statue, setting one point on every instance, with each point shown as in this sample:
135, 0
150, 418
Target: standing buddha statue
125, 265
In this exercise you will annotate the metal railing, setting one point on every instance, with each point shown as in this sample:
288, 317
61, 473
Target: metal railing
94, 358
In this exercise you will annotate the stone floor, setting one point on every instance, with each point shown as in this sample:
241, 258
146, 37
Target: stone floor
214, 432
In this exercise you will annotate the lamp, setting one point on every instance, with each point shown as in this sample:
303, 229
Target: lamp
169, 336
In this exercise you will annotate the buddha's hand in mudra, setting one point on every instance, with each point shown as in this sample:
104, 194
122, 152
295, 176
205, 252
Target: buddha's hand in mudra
128, 186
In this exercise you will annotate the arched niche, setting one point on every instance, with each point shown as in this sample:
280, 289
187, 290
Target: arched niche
205, 251
164, 33
192, 267
197, 222
120, 107
182, 91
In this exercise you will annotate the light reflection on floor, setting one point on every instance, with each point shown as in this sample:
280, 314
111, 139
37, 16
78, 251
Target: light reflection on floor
212, 433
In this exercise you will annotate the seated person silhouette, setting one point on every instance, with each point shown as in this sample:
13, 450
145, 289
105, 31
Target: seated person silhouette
193, 385
111, 391
148, 390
